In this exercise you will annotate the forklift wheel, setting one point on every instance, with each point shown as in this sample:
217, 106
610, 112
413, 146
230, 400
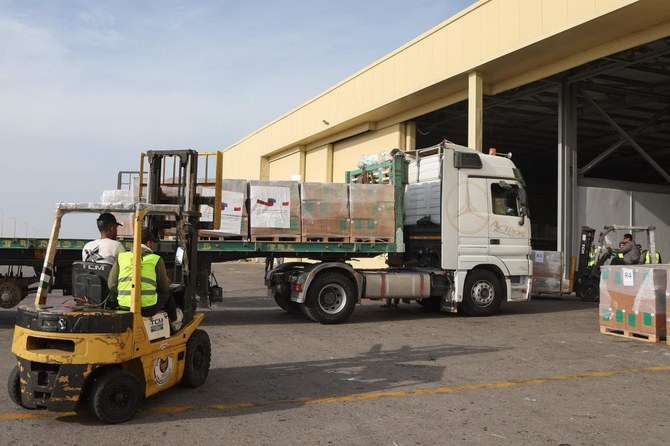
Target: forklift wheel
116, 396
589, 291
198, 358
14, 386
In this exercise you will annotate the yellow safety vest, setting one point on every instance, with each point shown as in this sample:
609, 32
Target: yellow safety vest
149, 294
647, 258
592, 257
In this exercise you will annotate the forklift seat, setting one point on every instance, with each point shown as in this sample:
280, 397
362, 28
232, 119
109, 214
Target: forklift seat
89, 281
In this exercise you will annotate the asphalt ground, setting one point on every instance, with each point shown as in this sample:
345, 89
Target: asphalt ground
539, 373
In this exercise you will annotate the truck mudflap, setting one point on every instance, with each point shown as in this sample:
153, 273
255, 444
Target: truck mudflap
56, 387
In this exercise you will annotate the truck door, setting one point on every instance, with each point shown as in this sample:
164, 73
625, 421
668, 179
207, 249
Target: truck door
508, 229
473, 219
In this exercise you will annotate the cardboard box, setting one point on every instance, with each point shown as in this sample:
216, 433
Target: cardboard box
372, 212
633, 299
325, 211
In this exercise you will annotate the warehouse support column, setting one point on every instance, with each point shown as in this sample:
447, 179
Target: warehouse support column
264, 171
302, 162
475, 110
567, 230
329, 162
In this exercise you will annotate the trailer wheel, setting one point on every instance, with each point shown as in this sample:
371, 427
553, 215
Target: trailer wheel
589, 291
482, 294
197, 360
10, 294
116, 396
331, 298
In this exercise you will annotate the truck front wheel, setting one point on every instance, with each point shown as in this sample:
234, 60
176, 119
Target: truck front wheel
482, 294
331, 298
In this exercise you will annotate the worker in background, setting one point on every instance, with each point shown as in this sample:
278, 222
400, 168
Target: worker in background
593, 256
630, 251
156, 294
647, 257
106, 248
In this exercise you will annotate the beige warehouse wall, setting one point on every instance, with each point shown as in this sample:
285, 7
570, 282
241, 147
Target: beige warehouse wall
319, 164
240, 164
285, 167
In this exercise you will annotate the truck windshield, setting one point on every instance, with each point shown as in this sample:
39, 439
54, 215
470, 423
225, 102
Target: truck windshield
505, 199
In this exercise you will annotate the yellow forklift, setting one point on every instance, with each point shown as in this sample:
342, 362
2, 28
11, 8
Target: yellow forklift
108, 358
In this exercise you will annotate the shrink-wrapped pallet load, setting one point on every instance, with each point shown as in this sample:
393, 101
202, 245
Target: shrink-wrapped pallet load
274, 210
125, 218
633, 301
372, 212
234, 221
325, 212
547, 271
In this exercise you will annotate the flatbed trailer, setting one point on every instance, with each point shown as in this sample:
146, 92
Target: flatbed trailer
29, 252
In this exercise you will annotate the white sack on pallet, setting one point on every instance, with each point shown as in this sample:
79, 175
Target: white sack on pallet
270, 207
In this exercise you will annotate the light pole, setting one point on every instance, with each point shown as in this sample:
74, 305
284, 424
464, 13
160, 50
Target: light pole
2, 222
14, 227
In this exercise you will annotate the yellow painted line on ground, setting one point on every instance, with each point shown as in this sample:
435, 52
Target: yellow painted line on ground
363, 396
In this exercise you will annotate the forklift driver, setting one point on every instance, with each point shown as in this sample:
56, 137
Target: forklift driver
156, 294
629, 250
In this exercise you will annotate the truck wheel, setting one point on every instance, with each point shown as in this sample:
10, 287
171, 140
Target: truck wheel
197, 360
116, 396
482, 294
589, 291
331, 298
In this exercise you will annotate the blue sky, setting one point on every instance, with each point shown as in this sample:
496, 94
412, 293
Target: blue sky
86, 86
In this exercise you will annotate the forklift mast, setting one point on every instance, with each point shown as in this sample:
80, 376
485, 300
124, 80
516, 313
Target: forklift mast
586, 240
173, 180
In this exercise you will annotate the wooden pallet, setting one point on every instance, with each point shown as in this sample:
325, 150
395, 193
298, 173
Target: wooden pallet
223, 238
371, 239
276, 238
631, 334
325, 239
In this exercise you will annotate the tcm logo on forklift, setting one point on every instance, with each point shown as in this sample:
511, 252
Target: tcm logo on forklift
94, 266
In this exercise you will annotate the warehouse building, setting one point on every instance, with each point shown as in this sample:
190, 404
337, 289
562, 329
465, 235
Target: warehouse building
577, 90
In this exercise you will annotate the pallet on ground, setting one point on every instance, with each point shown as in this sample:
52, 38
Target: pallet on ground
631, 334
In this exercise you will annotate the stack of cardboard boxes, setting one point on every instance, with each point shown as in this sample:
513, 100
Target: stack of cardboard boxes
633, 301
325, 212
547, 271
372, 211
